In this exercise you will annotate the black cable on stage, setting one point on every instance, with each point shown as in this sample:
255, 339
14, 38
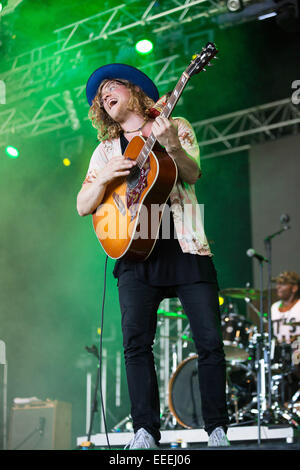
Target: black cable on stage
99, 373
100, 353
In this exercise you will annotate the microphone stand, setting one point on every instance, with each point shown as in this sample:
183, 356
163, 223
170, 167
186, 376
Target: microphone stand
259, 360
268, 248
260, 352
93, 350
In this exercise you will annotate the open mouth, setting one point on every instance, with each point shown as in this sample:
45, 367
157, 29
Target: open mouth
112, 103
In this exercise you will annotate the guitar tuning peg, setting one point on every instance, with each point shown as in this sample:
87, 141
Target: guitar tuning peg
204, 70
210, 64
215, 57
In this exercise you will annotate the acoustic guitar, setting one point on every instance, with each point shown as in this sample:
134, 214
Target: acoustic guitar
128, 219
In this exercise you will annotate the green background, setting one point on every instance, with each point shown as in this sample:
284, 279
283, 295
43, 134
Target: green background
52, 266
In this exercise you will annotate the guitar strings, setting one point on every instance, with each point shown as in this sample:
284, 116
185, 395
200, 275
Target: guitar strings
142, 157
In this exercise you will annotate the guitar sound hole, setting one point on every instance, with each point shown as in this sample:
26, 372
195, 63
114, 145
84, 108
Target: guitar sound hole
133, 177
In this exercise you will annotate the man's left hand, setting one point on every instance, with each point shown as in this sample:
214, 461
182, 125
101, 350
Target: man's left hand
165, 132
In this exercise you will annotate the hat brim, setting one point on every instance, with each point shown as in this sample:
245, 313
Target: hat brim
122, 71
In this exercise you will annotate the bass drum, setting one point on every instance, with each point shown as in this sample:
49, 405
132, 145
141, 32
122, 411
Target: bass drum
184, 394
185, 398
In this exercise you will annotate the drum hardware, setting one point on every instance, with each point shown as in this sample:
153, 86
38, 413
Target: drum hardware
248, 357
263, 348
236, 332
241, 293
284, 219
186, 336
170, 344
294, 403
171, 314
248, 301
282, 408
185, 398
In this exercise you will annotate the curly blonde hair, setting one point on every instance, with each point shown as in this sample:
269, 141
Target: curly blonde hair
106, 127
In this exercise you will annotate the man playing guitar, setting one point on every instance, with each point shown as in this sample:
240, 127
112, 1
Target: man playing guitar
122, 100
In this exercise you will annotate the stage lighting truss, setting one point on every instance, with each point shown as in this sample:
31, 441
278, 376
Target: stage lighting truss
123, 18
217, 136
240, 130
8, 6
41, 71
44, 66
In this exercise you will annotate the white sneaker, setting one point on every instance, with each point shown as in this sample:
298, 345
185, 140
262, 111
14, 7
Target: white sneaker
142, 440
218, 438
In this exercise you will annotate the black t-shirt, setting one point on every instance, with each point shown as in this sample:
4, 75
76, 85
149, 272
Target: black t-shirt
167, 264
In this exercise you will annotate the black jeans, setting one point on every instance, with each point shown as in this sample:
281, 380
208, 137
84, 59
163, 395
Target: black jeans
139, 304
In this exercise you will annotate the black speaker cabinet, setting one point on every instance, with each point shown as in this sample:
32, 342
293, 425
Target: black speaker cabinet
44, 426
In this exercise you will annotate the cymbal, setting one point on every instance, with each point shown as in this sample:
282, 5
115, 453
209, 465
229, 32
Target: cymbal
166, 314
241, 293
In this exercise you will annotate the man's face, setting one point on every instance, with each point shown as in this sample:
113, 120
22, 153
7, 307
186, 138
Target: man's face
285, 291
114, 99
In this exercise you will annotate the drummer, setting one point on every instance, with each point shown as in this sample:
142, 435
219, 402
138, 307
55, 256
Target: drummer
286, 311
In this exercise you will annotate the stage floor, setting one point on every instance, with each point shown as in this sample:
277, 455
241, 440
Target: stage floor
274, 437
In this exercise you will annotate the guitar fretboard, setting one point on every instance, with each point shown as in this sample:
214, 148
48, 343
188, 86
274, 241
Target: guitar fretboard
196, 66
166, 112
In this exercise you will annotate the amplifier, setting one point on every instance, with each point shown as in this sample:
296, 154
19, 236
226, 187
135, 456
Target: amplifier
40, 426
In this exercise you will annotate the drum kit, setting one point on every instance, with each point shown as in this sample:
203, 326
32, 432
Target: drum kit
251, 395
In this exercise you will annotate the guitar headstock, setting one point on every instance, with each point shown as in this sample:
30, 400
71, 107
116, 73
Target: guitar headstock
201, 60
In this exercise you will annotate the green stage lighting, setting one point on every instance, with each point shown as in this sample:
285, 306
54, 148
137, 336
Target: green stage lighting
3, 4
12, 152
144, 46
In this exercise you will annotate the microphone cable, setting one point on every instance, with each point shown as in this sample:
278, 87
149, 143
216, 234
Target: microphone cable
100, 353
99, 373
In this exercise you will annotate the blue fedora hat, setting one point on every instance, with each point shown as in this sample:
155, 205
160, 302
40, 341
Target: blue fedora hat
122, 71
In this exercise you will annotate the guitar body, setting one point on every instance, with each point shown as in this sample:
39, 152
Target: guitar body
128, 219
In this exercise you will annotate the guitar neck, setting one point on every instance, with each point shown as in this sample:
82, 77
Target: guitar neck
166, 112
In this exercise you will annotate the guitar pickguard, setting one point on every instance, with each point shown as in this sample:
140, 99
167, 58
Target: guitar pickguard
134, 191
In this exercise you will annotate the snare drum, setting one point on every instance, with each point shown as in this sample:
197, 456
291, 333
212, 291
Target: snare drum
236, 332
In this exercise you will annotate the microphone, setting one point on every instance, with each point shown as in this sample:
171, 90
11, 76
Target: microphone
284, 220
252, 254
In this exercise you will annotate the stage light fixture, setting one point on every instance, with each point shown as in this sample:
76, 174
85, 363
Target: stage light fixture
144, 46
66, 161
12, 152
235, 5
3, 4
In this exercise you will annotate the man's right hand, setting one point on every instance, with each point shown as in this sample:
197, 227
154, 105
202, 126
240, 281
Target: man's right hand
115, 167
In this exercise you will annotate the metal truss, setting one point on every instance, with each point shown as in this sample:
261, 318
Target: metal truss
36, 72
45, 64
240, 130
217, 136
50, 116
31, 71
64, 109
126, 16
